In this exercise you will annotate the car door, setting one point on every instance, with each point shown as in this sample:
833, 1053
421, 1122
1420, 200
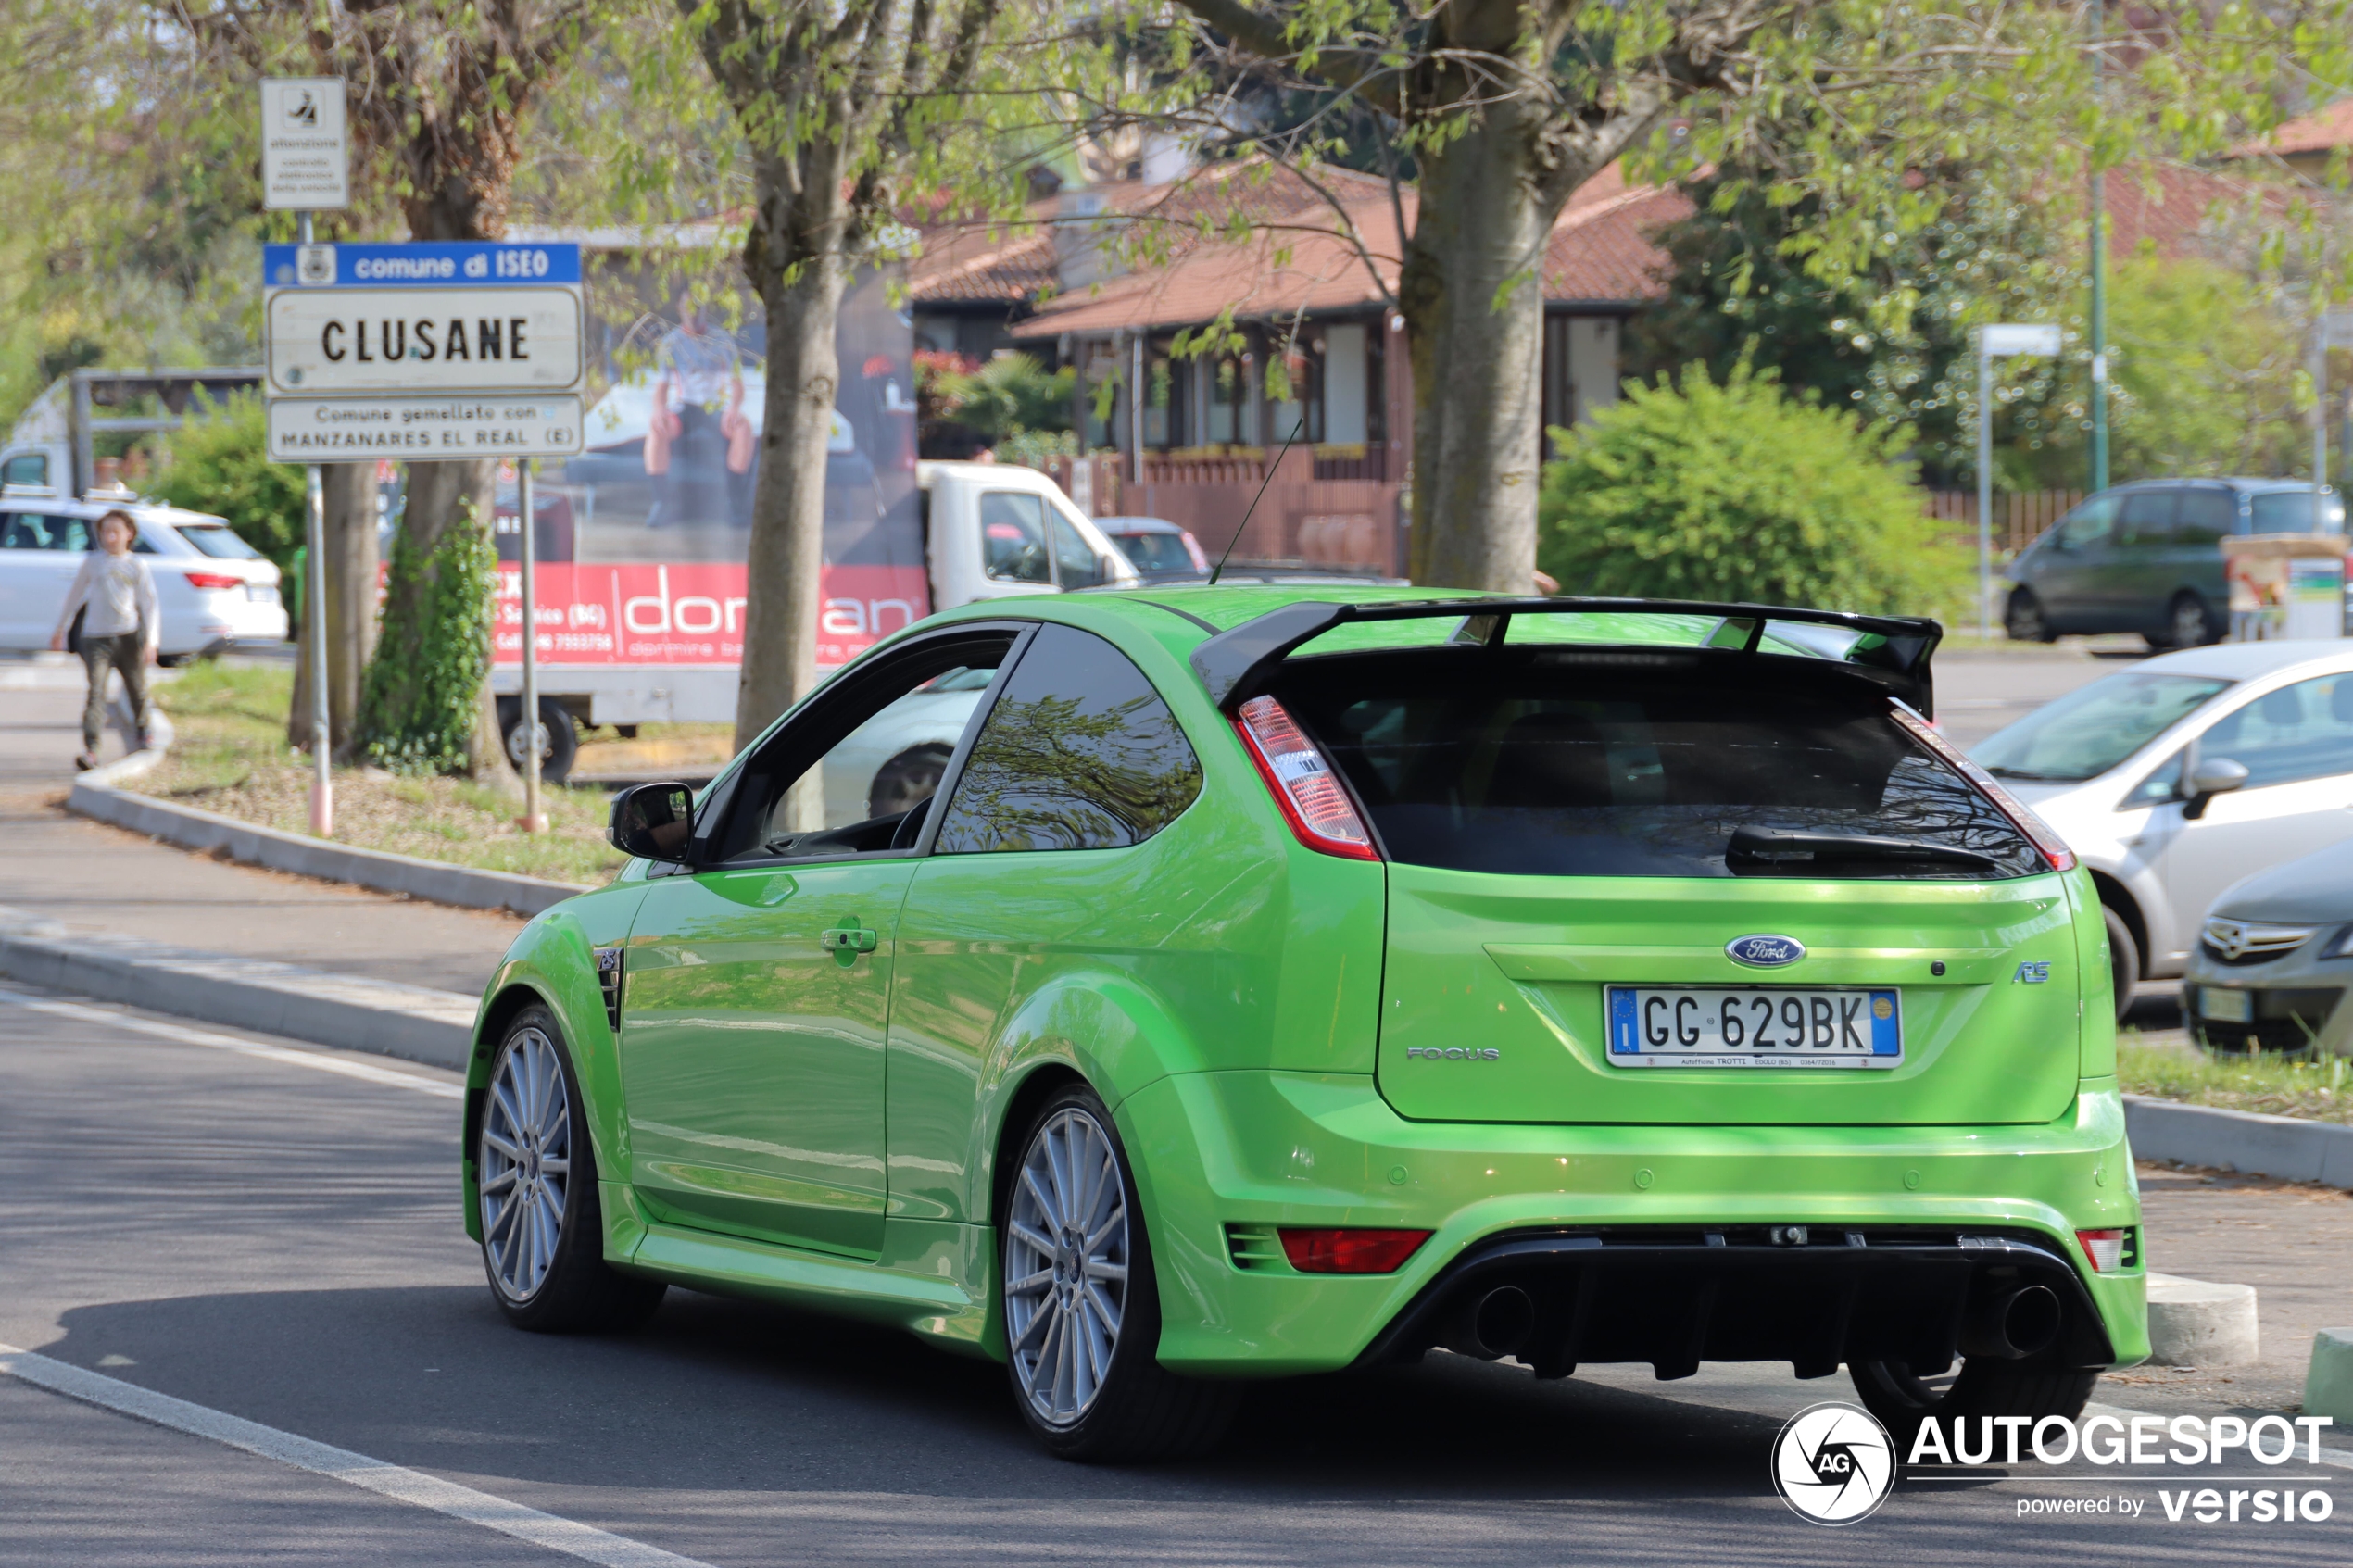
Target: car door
757, 982
2208, 514
40, 552
2068, 578
1051, 888
2133, 593
2297, 745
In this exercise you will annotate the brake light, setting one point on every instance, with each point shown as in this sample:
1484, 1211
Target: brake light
213, 581
2054, 847
1313, 800
1349, 1251
2105, 1249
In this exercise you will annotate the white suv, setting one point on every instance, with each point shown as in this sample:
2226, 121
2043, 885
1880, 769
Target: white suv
216, 591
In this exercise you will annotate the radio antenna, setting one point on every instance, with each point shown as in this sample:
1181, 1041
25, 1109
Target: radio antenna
1219, 571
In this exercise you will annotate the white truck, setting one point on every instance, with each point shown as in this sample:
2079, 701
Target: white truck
54, 443
989, 530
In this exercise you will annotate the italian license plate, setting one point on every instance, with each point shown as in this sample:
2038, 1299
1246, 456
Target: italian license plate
2226, 1006
261, 594
1754, 1026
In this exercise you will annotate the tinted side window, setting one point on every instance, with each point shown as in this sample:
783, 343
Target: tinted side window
26, 467
1079, 753
1075, 559
2291, 511
2206, 516
2148, 516
2089, 525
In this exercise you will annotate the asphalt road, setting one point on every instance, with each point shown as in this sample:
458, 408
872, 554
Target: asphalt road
282, 1243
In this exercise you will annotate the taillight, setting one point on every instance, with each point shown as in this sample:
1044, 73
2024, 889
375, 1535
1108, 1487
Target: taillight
213, 581
1312, 800
2105, 1249
1349, 1251
2054, 847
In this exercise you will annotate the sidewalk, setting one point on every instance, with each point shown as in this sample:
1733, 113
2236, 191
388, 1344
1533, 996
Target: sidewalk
93, 878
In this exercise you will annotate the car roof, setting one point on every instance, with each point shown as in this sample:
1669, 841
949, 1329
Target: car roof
2248, 661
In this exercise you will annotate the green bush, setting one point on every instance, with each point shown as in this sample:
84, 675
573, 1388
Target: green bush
1735, 490
221, 464
417, 704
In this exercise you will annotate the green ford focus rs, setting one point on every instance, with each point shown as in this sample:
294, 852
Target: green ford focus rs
1156, 991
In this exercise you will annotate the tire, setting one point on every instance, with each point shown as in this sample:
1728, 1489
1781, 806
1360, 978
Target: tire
1981, 1388
2187, 624
2123, 959
1074, 1262
2023, 619
561, 747
543, 1248
908, 780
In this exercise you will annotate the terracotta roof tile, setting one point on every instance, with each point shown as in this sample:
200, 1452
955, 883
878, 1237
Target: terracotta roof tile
2326, 131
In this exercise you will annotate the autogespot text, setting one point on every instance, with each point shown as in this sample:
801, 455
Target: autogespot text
2143, 1441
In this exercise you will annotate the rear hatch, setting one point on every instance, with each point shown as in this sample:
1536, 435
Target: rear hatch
1690, 886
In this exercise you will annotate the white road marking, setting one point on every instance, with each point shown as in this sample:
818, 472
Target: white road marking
321, 1060
398, 1482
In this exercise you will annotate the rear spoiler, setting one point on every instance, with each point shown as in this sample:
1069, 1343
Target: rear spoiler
1892, 649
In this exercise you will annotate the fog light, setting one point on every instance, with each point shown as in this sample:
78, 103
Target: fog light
2105, 1249
1349, 1251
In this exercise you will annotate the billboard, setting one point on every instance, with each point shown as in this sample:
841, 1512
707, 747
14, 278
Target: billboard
642, 536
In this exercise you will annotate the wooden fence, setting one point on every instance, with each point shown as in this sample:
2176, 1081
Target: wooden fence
2020, 516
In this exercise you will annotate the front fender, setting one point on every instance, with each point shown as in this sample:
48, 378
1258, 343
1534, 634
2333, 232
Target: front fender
553, 964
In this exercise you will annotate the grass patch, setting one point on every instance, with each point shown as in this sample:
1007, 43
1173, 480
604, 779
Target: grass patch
2318, 1091
232, 756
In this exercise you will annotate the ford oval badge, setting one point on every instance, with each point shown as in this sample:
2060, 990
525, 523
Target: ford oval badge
1763, 951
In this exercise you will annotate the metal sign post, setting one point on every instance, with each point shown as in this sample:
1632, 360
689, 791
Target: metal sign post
1992, 342
306, 167
533, 819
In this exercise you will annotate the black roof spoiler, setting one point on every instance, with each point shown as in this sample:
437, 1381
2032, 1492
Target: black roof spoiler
1237, 665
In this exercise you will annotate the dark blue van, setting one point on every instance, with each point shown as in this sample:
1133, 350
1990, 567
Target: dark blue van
2146, 558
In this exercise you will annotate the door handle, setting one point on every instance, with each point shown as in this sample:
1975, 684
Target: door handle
847, 942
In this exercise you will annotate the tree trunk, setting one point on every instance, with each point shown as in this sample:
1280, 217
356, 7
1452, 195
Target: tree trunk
1471, 292
788, 547
350, 607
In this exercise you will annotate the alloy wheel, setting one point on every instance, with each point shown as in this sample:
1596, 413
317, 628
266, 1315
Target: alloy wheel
2189, 624
1067, 1253
525, 1164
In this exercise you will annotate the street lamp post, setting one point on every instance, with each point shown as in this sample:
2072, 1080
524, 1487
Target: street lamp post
1996, 342
2099, 266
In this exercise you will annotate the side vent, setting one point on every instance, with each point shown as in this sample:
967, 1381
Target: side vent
608, 981
1254, 1247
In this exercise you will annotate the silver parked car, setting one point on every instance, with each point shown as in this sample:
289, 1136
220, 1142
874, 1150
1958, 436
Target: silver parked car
2181, 775
2273, 959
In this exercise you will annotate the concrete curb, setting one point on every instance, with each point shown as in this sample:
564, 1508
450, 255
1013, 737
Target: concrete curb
346, 1010
2285, 1146
95, 796
2195, 1323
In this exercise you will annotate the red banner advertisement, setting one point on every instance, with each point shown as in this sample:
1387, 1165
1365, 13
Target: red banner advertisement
689, 613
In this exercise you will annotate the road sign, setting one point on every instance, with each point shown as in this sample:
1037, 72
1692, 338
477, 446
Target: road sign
306, 152
347, 429
2005, 340
442, 340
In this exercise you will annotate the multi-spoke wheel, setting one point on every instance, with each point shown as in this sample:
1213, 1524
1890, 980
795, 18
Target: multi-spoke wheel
1082, 1318
542, 1228
1065, 1266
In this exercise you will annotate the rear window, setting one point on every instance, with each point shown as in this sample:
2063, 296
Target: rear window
2291, 511
215, 540
1586, 769
1156, 552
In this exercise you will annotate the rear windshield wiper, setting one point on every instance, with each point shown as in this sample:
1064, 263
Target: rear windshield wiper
1779, 848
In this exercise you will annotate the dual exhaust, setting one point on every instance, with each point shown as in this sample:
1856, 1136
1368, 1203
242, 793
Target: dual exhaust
2006, 1326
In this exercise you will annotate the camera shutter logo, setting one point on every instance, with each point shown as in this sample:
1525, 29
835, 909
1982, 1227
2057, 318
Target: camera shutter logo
1834, 1464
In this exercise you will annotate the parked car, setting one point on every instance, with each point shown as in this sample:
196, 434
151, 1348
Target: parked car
2179, 776
1281, 981
2146, 557
216, 591
2273, 960
1161, 551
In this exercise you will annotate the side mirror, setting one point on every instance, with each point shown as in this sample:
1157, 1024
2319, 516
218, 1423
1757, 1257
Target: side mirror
653, 822
2212, 776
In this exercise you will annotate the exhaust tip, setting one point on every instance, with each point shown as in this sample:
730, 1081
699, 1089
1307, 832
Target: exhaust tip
1496, 1325
2022, 1321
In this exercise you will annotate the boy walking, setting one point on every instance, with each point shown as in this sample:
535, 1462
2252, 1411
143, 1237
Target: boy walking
119, 630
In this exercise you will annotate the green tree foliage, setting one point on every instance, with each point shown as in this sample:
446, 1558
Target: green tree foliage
221, 464
1733, 489
417, 709
1007, 394
1735, 292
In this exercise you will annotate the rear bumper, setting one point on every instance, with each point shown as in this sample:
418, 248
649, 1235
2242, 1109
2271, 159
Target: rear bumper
1621, 1215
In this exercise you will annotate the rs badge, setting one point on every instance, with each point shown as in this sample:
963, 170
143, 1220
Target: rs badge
2031, 974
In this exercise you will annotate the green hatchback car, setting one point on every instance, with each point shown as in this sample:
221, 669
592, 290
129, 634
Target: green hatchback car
1273, 980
